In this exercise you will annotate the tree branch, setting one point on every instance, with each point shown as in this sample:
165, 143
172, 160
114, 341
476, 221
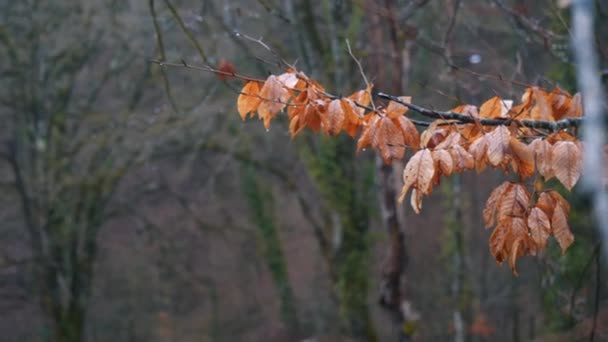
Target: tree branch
552, 126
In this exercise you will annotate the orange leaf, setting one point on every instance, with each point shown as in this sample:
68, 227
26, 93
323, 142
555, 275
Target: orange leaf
411, 137
352, 120
523, 158
463, 160
489, 212
540, 227
274, 98
497, 243
395, 109
248, 100
513, 203
542, 155
542, 108
567, 163
443, 161
335, 117
492, 108
561, 229
498, 145
479, 149
389, 140
418, 173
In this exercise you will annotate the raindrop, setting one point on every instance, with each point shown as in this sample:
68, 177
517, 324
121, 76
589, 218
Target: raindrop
267, 130
363, 149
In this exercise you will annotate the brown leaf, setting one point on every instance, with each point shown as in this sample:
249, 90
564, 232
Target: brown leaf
388, 139
248, 100
546, 203
352, 121
542, 108
463, 160
576, 107
567, 163
395, 109
498, 145
519, 242
559, 200
478, 149
513, 203
491, 109
523, 158
560, 103
498, 241
369, 131
335, 117
416, 200
411, 137
443, 161
542, 155
288, 79
489, 212
561, 229
418, 173
540, 227
274, 98
363, 98
433, 135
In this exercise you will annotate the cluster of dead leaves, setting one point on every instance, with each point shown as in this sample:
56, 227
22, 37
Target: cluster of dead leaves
308, 105
522, 227
450, 146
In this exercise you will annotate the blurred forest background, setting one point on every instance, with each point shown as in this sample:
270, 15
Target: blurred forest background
137, 206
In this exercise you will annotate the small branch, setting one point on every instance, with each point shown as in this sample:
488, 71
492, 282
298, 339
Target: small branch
350, 52
187, 32
260, 42
552, 126
161, 51
206, 68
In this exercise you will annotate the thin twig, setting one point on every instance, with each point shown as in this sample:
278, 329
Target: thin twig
187, 32
161, 52
260, 42
350, 52
206, 68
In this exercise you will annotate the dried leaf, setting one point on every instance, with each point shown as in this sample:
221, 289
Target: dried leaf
542, 156
388, 139
248, 100
352, 121
491, 109
274, 98
497, 243
513, 203
478, 149
411, 137
561, 229
335, 117
540, 227
523, 158
418, 173
463, 160
489, 212
395, 109
288, 79
567, 163
498, 145
443, 161
542, 108
416, 200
